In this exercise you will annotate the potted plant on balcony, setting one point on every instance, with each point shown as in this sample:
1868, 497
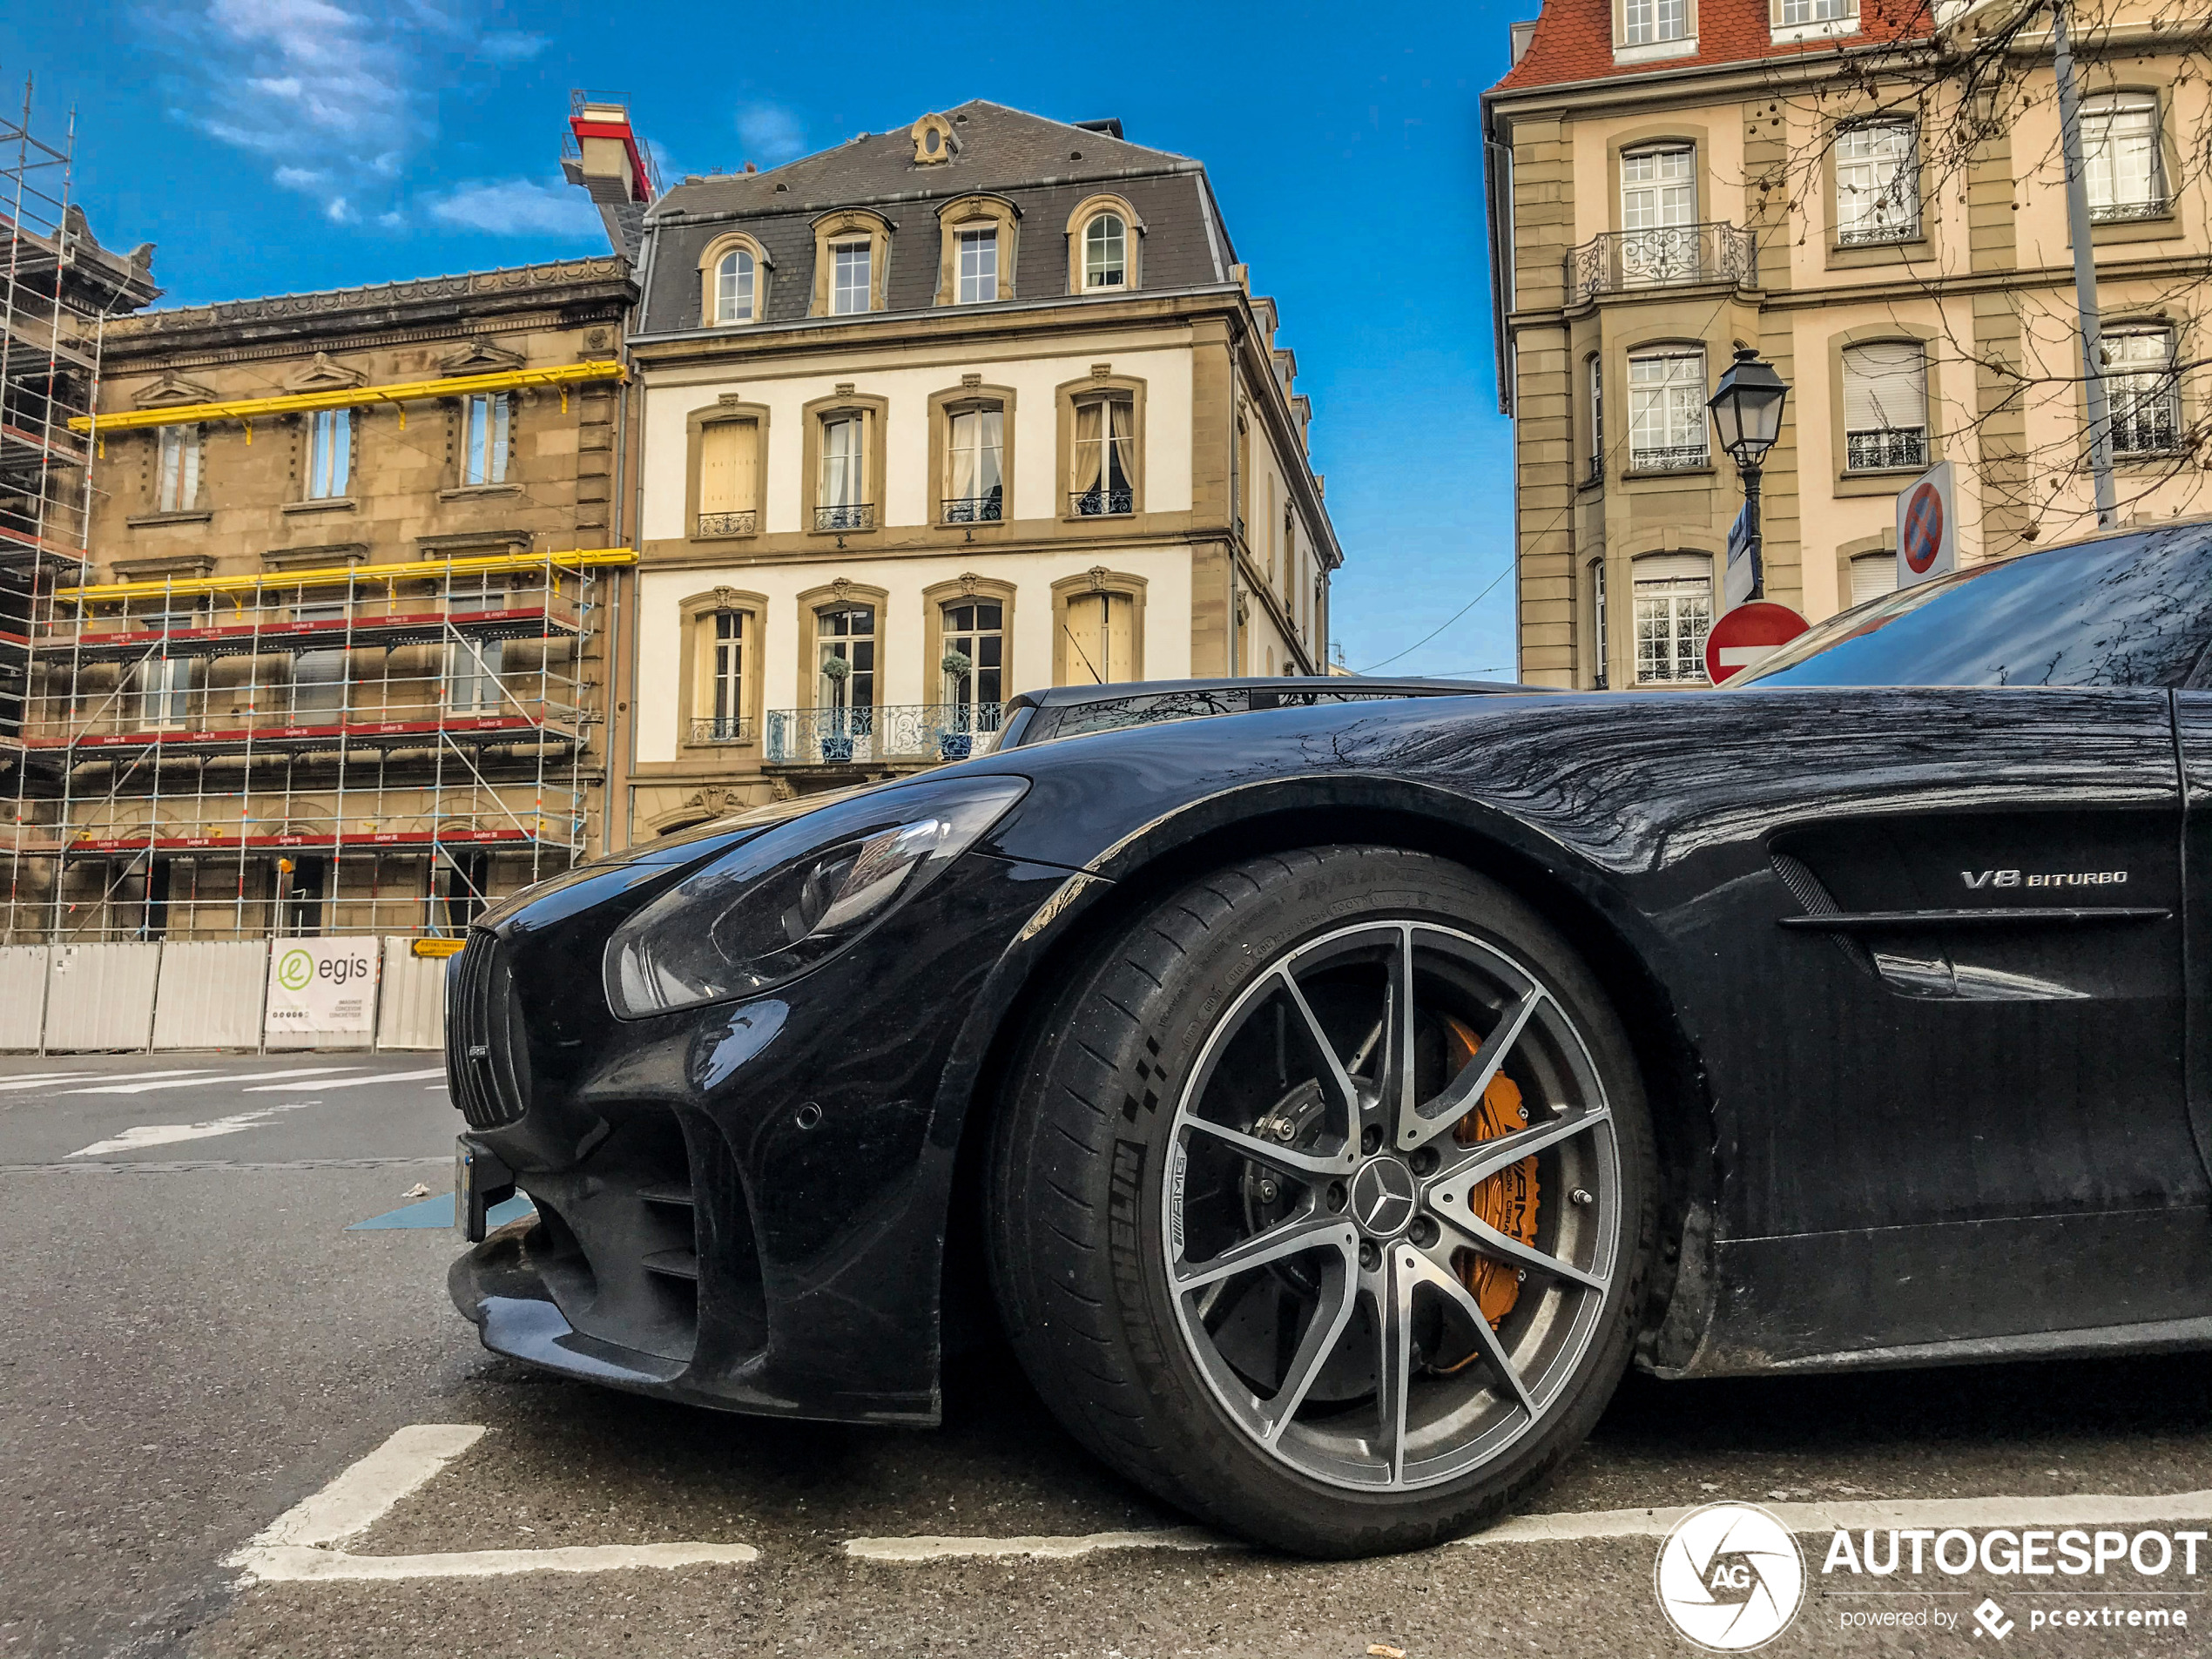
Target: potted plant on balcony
837, 742
955, 741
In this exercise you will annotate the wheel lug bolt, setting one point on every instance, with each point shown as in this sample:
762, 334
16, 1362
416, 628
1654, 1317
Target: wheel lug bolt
1424, 1162
1581, 1194
1370, 1255
1370, 1141
1338, 1196
1422, 1232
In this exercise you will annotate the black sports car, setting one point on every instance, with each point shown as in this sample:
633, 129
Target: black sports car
1333, 1100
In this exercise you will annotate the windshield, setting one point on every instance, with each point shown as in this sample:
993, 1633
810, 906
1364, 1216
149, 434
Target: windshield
2123, 610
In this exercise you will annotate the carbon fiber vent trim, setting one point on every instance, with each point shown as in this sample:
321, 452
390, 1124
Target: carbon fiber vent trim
487, 1044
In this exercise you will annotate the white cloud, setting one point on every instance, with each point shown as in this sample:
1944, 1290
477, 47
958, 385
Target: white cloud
341, 92
517, 207
773, 131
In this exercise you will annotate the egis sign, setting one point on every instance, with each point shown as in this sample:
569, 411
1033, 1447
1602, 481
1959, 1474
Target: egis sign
319, 986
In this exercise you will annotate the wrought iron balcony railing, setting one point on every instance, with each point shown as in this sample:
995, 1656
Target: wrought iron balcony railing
975, 509
1661, 256
2120, 212
1099, 503
868, 736
1892, 447
744, 523
2145, 432
856, 516
714, 728
1878, 235
1689, 457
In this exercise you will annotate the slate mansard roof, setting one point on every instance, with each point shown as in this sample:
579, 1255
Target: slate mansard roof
1045, 167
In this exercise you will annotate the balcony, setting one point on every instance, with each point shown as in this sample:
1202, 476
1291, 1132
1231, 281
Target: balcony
975, 509
1880, 451
853, 516
1689, 457
1661, 257
744, 523
909, 732
720, 728
1107, 503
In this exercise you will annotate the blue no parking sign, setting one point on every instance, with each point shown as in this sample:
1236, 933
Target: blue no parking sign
1927, 534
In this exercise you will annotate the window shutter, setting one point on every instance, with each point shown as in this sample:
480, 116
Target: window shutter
1873, 575
1675, 567
1885, 387
729, 467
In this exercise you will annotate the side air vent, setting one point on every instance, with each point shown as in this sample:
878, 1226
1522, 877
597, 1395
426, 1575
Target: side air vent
1811, 892
488, 1059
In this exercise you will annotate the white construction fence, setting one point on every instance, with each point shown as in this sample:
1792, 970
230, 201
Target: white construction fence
341, 993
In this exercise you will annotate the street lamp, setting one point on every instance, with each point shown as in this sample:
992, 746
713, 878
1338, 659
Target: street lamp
1747, 413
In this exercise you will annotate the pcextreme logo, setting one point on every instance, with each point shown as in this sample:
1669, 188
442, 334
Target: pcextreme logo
1729, 1577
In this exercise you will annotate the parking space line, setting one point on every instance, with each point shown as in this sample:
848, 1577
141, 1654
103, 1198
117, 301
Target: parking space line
164, 1134
300, 1545
348, 1083
2085, 1509
924, 1549
205, 1081
2082, 1509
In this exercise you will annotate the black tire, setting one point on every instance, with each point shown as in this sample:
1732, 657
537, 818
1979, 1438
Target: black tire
1109, 1084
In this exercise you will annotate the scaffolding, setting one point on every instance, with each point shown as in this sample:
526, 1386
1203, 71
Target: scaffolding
357, 749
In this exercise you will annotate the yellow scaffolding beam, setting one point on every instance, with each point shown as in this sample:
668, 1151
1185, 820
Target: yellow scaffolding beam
332, 575
249, 408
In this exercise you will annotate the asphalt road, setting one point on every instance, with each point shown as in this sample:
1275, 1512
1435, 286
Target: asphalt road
195, 1342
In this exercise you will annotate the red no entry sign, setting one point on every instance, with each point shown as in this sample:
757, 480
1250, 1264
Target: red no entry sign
1923, 536
1748, 635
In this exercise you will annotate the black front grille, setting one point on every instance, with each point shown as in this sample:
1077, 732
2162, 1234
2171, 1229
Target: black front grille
488, 1057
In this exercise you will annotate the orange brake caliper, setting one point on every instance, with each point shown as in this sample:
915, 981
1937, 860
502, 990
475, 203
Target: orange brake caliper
1507, 1200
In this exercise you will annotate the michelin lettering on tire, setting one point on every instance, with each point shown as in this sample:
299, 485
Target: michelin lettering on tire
1729, 1577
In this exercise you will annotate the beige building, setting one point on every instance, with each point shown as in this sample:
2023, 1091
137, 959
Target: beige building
1673, 180
334, 659
938, 415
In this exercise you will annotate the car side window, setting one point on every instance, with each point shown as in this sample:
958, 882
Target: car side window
2124, 610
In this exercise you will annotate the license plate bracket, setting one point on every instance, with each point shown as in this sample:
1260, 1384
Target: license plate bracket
480, 1181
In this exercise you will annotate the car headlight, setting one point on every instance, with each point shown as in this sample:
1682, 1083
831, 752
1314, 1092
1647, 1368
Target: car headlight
787, 901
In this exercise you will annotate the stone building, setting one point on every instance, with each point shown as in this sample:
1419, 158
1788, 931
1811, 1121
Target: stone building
943, 414
336, 662
1673, 180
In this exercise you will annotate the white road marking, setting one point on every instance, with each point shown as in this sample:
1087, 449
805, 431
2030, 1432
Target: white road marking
162, 1134
203, 1080
300, 1545
2084, 1509
38, 1079
2087, 1509
348, 1083
294, 1566
1049, 1548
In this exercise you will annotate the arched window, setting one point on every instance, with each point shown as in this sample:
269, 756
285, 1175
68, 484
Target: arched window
733, 286
1105, 253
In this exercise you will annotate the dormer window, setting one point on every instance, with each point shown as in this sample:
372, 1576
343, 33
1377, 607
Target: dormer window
734, 282
1105, 246
1650, 22
850, 284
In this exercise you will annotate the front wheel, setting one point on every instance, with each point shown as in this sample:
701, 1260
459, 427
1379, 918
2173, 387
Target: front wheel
1324, 1202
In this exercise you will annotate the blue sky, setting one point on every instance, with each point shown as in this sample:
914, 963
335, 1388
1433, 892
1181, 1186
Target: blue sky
273, 146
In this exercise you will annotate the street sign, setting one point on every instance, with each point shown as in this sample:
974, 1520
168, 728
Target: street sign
1927, 527
1748, 636
1739, 577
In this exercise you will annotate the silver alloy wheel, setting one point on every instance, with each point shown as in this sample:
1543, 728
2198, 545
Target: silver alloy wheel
1318, 1209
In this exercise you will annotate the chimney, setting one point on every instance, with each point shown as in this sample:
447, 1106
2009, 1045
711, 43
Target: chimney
603, 157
